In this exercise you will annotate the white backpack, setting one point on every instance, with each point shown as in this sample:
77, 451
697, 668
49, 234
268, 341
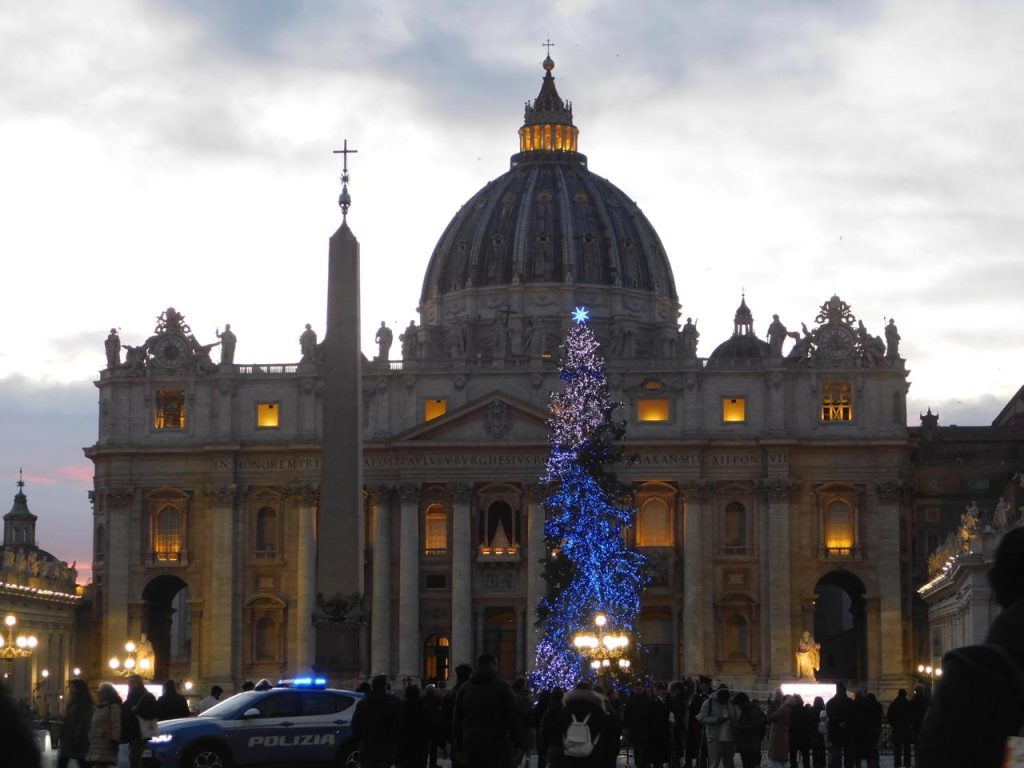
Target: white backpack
577, 741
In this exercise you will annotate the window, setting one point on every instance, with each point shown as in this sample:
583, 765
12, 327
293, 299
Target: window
264, 639
500, 529
432, 409
839, 534
652, 410
281, 704
931, 515
737, 637
836, 401
654, 524
436, 531
268, 415
734, 410
436, 580
734, 529
167, 534
170, 409
266, 532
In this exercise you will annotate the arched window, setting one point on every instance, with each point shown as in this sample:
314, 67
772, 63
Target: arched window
734, 529
435, 658
167, 534
264, 639
737, 637
435, 530
654, 523
100, 542
500, 530
839, 529
266, 532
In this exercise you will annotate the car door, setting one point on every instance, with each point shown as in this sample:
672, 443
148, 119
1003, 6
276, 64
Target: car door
265, 737
325, 721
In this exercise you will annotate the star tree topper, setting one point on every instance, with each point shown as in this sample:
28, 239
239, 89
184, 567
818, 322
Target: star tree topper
580, 315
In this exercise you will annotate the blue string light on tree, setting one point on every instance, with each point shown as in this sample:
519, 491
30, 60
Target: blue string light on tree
589, 568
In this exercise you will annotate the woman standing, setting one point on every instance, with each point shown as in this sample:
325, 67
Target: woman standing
105, 730
75, 741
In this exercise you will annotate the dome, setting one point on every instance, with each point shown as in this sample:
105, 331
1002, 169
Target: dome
550, 226
743, 344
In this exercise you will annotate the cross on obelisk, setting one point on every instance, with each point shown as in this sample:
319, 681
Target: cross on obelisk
345, 199
549, 45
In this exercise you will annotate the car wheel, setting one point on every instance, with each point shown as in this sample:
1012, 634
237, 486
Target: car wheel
206, 757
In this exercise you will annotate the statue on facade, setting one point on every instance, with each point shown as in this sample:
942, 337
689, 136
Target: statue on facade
968, 526
113, 348
690, 336
872, 348
892, 341
808, 657
145, 658
457, 337
408, 341
615, 340
527, 338
1001, 514
776, 336
135, 358
802, 348
307, 343
227, 345
383, 339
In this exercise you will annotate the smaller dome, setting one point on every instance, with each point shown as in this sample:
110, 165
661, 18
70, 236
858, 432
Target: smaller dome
740, 348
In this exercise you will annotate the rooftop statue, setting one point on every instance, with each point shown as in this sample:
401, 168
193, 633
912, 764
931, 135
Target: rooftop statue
776, 336
307, 344
113, 349
892, 341
227, 345
383, 339
690, 335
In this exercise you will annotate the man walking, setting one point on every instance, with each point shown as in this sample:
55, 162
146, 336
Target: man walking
485, 721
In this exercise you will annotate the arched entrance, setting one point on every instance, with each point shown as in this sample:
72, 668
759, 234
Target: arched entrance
435, 658
167, 622
840, 626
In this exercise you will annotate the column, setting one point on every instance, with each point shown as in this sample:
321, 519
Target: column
888, 528
221, 611
380, 611
305, 599
694, 595
521, 660
117, 564
677, 615
779, 596
536, 553
462, 576
409, 583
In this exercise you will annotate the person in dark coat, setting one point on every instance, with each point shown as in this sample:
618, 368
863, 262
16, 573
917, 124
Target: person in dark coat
750, 729
432, 705
817, 737
377, 724
800, 733
172, 704
549, 740
614, 729
462, 673
139, 703
869, 728
415, 742
979, 701
536, 716
582, 704
74, 743
899, 729
920, 702
19, 747
842, 729
679, 695
659, 733
696, 744
485, 723
524, 712
635, 721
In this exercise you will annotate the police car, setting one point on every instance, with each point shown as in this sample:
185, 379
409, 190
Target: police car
298, 722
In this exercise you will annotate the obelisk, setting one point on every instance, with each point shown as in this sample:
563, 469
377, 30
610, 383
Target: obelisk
340, 641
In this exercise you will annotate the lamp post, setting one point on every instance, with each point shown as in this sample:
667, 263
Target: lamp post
606, 650
931, 673
19, 647
131, 664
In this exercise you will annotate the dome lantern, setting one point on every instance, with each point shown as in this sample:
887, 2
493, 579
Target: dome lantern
547, 122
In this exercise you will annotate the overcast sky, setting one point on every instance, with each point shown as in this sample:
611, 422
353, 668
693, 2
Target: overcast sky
179, 153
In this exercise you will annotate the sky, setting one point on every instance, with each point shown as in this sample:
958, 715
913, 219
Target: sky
161, 153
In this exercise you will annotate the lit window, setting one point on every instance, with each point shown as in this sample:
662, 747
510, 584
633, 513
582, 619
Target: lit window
839, 538
654, 524
652, 410
432, 409
167, 535
435, 658
499, 533
266, 532
734, 409
651, 385
170, 409
734, 534
436, 531
836, 401
268, 415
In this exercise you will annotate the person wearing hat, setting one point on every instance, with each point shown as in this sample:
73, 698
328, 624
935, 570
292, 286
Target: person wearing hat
979, 702
718, 716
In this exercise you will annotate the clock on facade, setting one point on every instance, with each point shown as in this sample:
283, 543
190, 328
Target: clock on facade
171, 350
836, 342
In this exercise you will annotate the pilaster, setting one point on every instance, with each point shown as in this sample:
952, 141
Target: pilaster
535, 556
305, 598
409, 584
221, 606
380, 615
696, 541
776, 494
462, 576
893, 664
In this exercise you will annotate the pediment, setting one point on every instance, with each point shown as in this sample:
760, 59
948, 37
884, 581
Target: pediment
494, 417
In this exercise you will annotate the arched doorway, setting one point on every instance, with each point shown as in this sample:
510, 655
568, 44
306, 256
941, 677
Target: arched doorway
840, 626
500, 639
167, 622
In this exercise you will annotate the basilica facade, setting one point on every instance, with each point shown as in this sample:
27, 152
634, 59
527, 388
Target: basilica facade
769, 483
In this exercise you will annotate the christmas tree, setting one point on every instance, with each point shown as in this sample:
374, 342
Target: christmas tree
589, 568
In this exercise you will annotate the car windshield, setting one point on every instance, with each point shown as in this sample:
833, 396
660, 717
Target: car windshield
234, 706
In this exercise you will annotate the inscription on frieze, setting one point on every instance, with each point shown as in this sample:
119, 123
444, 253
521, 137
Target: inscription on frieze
500, 581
